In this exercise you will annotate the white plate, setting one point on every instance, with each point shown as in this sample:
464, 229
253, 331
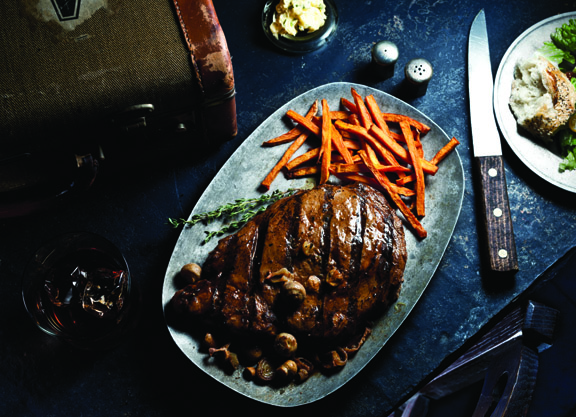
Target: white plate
241, 176
531, 152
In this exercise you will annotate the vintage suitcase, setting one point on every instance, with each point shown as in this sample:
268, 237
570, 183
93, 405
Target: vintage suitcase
78, 73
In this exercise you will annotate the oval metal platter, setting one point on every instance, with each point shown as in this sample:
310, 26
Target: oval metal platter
536, 156
240, 178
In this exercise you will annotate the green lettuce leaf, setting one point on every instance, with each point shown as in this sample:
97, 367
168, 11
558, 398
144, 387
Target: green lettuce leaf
565, 36
553, 53
562, 48
567, 142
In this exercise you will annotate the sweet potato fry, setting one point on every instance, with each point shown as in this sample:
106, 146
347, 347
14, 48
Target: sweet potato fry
284, 160
312, 154
361, 132
337, 140
444, 151
340, 146
400, 151
295, 131
388, 187
326, 150
304, 172
417, 165
440, 155
377, 114
361, 110
343, 168
393, 117
360, 178
308, 124
339, 114
349, 105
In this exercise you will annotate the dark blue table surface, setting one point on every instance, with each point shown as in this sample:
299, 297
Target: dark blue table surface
148, 375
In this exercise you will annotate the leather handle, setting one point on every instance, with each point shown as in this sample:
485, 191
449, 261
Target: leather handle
211, 64
496, 215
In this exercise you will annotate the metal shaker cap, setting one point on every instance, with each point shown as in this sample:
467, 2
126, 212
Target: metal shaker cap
385, 53
418, 71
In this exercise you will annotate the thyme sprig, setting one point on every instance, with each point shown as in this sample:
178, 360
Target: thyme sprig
246, 208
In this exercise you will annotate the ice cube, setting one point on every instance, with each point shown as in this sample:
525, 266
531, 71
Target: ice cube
62, 288
104, 292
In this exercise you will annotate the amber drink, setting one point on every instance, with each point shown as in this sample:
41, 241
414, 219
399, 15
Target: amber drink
78, 288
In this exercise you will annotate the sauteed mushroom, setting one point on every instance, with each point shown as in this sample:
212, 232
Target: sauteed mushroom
305, 369
264, 371
285, 344
228, 358
308, 248
191, 272
287, 370
294, 292
355, 344
333, 359
313, 283
334, 277
282, 275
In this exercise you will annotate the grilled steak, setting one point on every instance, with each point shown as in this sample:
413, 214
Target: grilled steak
341, 250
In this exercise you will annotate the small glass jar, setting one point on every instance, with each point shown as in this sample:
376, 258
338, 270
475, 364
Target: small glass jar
305, 41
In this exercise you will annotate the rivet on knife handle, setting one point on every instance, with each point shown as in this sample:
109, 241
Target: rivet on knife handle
496, 214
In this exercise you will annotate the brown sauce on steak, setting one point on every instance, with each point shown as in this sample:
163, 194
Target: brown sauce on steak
344, 244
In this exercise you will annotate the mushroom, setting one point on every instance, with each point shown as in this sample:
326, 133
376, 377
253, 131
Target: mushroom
356, 343
308, 248
285, 344
223, 354
249, 373
287, 370
305, 369
264, 371
333, 359
282, 275
294, 291
210, 341
313, 283
191, 272
334, 277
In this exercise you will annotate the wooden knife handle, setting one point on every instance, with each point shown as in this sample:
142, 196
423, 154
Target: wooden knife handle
496, 214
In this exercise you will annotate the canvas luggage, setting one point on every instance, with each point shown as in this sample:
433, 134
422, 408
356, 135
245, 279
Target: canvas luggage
74, 69
84, 72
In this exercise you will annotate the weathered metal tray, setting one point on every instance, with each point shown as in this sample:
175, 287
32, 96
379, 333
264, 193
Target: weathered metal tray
241, 176
535, 155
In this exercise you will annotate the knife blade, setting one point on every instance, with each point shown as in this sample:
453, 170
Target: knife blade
496, 217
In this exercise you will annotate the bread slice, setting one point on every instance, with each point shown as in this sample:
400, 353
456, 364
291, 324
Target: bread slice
542, 97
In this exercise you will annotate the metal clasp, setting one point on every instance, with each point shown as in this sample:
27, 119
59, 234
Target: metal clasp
133, 117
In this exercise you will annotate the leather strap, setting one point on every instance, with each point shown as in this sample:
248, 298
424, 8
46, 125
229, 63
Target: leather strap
211, 63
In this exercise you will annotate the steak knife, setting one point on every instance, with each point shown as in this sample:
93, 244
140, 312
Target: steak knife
497, 220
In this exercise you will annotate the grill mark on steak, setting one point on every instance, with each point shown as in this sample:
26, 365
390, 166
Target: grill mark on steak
275, 256
236, 302
356, 256
308, 260
262, 315
342, 226
325, 254
396, 250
